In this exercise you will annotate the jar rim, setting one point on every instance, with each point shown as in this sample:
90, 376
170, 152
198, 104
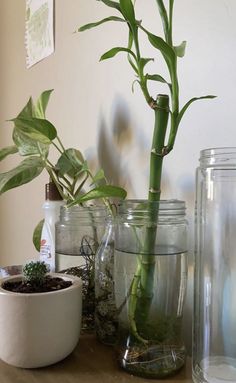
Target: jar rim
171, 206
218, 156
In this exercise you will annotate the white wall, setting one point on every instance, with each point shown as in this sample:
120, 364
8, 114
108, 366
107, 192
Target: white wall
93, 100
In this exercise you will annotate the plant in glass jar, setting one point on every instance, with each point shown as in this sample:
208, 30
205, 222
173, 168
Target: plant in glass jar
149, 336
34, 137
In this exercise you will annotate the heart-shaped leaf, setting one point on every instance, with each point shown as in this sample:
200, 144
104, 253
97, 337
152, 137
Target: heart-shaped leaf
41, 104
26, 146
37, 235
105, 191
71, 163
36, 129
27, 111
25, 172
8, 150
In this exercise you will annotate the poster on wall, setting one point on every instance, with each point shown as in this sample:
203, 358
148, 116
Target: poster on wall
39, 30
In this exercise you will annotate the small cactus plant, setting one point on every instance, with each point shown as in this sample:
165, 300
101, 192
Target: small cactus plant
35, 272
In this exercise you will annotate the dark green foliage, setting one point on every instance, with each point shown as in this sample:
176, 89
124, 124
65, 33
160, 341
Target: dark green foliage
35, 272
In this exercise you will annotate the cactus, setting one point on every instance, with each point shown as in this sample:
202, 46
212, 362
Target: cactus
35, 272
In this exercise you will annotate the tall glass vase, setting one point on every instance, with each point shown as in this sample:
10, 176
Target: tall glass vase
214, 338
150, 274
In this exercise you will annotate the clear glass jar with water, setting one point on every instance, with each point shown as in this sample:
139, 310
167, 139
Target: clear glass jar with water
77, 237
150, 276
214, 335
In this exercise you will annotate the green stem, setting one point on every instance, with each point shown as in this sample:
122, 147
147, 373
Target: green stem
142, 284
158, 147
171, 6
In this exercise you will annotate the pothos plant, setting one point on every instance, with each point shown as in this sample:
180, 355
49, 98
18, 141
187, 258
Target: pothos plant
33, 137
166, 110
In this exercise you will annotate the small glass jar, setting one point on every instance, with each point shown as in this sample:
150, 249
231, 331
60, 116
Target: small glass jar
78, 235
214, 335
150, 276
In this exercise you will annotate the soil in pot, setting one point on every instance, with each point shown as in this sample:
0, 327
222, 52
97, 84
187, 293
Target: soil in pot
47, 285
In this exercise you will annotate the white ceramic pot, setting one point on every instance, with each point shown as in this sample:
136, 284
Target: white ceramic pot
39, 329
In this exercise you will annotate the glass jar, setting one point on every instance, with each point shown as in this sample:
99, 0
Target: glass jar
150, 276
214, 335
106, 317
78, 235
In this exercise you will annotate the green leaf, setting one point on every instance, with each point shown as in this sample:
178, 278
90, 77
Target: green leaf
71, 163
93, 25
27, 111
25, 172
130, 39
113, 52
130, 43
105, 191
160, 44
127, 10
133, 83
156, 77
26, 146
111, 4
164, 17
42, 103
37, 235
37, 129
143, 62
183, 110
99, 176
180, 49
7, 150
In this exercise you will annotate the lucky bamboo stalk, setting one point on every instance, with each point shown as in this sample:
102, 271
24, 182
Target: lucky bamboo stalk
161, 145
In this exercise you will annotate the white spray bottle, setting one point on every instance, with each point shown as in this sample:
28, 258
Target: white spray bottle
51, 207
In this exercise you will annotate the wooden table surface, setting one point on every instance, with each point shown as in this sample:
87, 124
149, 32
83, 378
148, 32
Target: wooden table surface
90, 362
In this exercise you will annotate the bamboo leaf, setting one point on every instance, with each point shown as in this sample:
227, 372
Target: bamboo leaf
164, 17
166, 50
105, 191
180, 49
143, 62
157, 77
96, 24
133, 83
37, 129
127, 10
8, 150
186, 106
113, 52
111, 4
26, 146
25, 172
130, 39
37, 235
41, 104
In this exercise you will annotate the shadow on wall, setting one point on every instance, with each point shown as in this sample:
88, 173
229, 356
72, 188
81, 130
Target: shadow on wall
124, 151
113, 147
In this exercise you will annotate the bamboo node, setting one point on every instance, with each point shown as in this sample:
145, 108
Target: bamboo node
154, 191
163, 153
